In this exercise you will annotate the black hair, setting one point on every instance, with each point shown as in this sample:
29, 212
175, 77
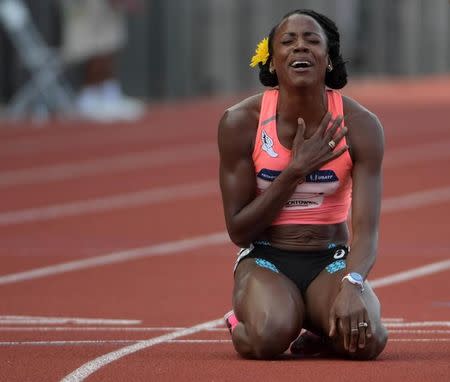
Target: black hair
337, 78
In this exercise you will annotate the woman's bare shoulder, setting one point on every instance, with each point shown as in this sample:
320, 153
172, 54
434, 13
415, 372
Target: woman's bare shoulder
357, 114
243, 114
365, 132
238, 126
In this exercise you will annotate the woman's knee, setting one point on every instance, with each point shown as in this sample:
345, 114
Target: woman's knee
272, 336
379, 343
373, 348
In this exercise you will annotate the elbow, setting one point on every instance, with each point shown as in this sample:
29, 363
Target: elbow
241, 243
239, 238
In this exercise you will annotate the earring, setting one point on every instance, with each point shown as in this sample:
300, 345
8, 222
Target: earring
271, 70
330, 67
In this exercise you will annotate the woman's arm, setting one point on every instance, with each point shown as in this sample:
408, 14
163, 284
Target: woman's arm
367, 144
367, 147
246, 215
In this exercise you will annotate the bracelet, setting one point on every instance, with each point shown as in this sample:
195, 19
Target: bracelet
355, 279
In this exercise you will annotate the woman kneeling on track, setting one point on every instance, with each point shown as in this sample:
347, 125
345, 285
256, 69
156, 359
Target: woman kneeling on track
290, 170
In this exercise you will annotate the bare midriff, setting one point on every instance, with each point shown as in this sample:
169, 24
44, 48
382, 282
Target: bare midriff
304, 237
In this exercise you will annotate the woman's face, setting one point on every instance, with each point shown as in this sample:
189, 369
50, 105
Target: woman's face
300, 53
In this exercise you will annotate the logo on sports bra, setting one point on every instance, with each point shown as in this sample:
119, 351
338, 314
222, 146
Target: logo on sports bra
307, 195
267, 145
322, 176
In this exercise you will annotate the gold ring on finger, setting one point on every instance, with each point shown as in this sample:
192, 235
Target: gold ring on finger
332, 144
363, 324
354, 330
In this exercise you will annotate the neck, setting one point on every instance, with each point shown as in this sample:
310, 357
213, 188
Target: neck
310, 104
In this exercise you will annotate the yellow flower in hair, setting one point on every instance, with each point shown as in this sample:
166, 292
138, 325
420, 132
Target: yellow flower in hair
261, 53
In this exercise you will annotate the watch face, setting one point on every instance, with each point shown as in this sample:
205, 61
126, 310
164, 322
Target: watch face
356, 276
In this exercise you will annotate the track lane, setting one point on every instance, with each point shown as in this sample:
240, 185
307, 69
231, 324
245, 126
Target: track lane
405, 243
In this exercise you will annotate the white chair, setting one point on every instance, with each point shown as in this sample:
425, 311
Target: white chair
47, 92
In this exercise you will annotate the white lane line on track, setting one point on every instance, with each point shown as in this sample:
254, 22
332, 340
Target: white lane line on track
420, 324
113, 164
101, 139
162, 249
411, 274
179, 192
56, 144
92, 366
100, 342
37, 320
417, 154
219, 238
192, 152
163, 329
419, 340
114, 342
65, 343
416, 199
110, 203
96, 329
419, 331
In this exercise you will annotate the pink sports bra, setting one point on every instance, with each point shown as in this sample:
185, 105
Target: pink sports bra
325, 196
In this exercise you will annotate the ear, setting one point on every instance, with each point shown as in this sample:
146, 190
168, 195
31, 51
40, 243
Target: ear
271, 67
329, 65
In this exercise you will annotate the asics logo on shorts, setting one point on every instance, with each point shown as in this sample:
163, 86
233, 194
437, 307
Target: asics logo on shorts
339, 254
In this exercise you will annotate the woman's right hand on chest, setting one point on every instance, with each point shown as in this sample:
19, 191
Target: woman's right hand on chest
310, 154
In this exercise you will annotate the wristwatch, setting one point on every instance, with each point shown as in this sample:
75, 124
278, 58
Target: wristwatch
355, 279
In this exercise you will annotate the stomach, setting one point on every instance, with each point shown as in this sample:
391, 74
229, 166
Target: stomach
304, 237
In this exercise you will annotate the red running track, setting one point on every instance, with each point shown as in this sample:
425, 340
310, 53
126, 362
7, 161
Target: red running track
134, 214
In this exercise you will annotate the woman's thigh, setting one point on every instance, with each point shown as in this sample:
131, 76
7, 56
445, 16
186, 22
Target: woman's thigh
267, 303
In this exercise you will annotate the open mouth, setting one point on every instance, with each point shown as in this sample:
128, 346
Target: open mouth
301, 64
